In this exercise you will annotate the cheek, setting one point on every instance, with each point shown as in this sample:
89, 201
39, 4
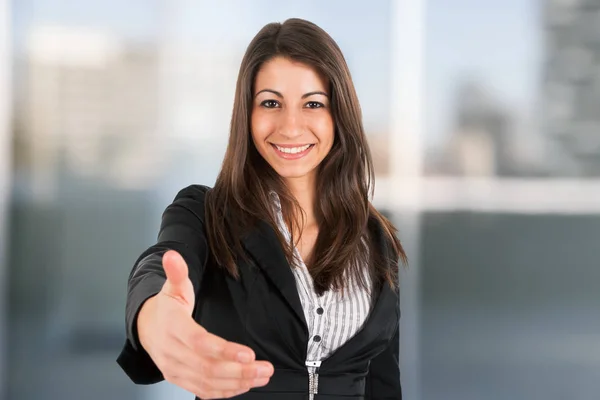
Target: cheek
261, 128
325, 130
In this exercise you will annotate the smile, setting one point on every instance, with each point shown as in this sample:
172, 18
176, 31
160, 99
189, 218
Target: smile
292, 153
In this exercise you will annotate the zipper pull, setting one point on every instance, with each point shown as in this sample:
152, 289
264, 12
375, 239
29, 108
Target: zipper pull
313, 377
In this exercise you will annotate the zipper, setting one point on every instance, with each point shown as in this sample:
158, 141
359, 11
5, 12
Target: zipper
313, 378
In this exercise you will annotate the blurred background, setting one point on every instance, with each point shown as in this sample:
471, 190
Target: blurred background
484, 122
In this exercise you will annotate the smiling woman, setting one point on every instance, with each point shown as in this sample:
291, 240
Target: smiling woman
292, 126
284, 260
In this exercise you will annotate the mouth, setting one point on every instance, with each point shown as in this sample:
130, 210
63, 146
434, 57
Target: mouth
292, 152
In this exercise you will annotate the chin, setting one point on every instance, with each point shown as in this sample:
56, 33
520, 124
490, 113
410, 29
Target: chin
293, 173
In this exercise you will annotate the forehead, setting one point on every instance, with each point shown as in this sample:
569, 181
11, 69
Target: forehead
285, 75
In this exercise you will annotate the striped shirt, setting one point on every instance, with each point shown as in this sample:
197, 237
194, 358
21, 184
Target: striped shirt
332, 319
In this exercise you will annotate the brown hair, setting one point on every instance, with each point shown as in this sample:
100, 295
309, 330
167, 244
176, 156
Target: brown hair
240, 196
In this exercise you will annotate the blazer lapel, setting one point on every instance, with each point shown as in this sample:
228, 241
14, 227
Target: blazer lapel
263, 246
384, 314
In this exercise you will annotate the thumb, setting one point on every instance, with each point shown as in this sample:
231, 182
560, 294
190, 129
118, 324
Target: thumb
178, 284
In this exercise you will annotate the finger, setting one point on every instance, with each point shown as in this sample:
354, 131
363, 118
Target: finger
185, 371
230, 384
178, 285
235, 370
195, 345
219, 394
206, 393
181, 362
175, 268
215, 347
233, 393
197, 382
217, 374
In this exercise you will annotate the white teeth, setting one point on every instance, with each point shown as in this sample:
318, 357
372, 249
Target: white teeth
292, 150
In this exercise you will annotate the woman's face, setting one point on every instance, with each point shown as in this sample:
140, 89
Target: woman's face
292, 126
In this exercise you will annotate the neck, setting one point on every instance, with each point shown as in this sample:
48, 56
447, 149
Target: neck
303, 189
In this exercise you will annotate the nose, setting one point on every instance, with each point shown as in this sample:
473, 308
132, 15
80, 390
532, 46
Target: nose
291, 124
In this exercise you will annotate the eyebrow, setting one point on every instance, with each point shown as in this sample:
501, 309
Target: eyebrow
305, 95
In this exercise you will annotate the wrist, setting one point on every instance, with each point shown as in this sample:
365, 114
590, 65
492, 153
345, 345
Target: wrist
142, 320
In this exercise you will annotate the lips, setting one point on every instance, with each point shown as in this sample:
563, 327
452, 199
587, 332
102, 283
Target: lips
292, 152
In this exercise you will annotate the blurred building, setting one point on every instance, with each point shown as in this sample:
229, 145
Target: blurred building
89, 105
571, 85
106, 109
482, 138
379, 144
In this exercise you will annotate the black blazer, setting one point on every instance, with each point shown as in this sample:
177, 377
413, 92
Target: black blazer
262, 310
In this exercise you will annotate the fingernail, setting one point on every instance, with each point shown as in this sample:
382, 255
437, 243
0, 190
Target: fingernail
263, 371
261, 381
244, 357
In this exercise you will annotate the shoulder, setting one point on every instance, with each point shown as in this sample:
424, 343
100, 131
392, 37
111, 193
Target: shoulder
192, 199
377, 224
384, 233
194, 192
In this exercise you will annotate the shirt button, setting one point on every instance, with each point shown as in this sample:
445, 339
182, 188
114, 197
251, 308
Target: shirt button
320, 310
317, 338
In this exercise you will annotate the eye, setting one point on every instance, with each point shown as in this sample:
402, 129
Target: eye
314, 104
270, 104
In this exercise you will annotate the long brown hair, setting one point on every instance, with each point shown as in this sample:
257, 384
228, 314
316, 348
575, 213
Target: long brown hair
240, 197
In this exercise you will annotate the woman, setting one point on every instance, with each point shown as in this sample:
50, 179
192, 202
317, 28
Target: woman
280, 282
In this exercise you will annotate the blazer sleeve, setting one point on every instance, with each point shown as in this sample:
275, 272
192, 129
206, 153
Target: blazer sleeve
383, 379
181, 229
